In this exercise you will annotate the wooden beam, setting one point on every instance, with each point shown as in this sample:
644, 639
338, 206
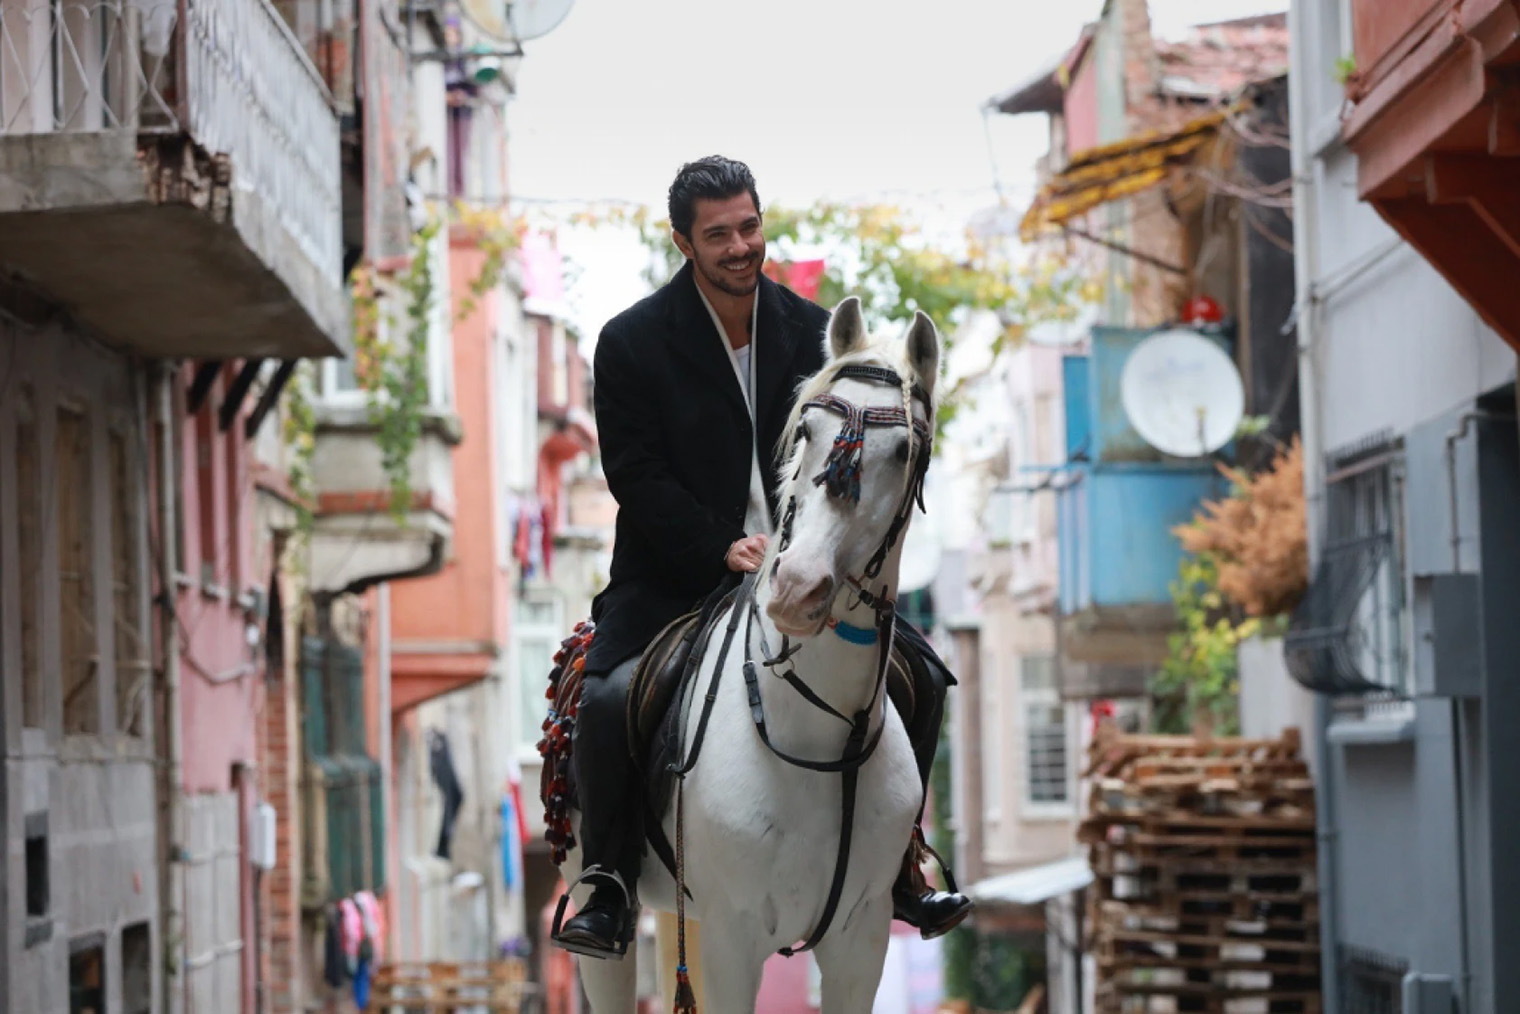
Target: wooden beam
1487, 185
1470, 256
1504, 120
269, 397
237, 391
205, 376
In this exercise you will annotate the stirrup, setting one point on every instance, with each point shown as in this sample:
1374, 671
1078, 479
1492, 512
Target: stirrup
624, 932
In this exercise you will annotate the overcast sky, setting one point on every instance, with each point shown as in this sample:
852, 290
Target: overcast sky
875, 100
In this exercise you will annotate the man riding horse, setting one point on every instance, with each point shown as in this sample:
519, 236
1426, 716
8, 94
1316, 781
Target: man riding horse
693, 387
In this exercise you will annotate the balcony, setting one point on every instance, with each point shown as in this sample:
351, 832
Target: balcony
169, 174
357, 539
1116, 508
1436, 130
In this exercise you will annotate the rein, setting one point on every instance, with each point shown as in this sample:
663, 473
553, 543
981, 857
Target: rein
841, 476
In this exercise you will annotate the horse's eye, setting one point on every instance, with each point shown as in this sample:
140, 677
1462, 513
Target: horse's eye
803, 433
902, 451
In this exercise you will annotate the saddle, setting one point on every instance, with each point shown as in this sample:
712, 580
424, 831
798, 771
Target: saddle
660, 680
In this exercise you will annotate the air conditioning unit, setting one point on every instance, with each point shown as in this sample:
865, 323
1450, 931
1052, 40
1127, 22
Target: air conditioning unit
1429, 994
261, 845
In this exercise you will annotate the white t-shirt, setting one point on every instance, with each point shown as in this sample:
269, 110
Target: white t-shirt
757, 516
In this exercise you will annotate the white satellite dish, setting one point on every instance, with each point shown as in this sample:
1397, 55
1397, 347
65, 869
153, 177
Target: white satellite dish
1182, 393
508, 21
532, 19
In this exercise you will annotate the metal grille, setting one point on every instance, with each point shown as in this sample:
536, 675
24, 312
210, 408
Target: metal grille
1371, 982
1349, 632
1044, 731
86, 66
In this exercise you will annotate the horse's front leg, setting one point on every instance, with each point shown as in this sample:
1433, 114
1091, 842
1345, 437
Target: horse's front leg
851, 957
732, 963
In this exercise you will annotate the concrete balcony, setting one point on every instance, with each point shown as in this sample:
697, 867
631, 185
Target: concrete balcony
356, 539
169, 174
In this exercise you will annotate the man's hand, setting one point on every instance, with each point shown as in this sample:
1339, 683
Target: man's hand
746, 555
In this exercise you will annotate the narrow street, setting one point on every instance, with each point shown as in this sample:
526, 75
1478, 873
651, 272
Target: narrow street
426, 426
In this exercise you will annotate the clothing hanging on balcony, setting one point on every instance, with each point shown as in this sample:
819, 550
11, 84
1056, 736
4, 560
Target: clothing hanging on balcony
334, 972
447, 780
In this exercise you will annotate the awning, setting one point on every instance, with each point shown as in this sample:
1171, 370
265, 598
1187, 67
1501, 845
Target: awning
1112, 171
1034, 886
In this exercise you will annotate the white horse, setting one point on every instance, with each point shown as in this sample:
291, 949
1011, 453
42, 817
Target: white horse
761, 834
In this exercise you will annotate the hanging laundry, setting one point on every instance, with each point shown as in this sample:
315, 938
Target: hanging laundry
447, 780
351, 930
374, 923
334, 971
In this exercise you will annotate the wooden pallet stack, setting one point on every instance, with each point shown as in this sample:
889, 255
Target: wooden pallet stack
1205, 899
446, 987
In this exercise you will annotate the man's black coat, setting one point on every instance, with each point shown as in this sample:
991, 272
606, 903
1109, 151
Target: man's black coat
676, 445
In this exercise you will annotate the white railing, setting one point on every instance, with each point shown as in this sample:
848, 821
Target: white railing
254, 95
228, 72
86, 65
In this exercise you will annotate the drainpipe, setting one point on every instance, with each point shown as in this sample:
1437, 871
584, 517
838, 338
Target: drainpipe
1305, 271
1459, 795
172, 890
385, 749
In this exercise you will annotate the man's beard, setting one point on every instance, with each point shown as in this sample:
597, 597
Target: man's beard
721, 280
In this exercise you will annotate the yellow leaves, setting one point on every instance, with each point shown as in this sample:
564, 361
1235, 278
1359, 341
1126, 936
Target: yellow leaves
1257, 536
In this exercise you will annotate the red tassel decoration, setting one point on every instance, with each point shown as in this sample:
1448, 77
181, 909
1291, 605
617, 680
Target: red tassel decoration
686, 997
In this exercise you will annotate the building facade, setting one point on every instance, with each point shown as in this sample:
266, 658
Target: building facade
1412, 476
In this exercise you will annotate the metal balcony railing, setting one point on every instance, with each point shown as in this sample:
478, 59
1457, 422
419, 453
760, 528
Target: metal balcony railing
228, 73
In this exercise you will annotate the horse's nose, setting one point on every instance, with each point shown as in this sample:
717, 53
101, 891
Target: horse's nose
817, 596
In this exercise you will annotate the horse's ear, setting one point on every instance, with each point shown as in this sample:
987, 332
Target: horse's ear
923, 349
847, 328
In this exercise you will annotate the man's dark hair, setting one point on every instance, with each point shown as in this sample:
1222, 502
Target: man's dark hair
713, 178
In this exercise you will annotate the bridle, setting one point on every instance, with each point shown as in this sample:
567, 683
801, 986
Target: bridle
841, 476
842, 470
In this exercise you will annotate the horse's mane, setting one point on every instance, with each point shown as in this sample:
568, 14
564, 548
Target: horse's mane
875, 353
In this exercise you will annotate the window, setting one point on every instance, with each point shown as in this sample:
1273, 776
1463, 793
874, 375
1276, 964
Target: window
136, 969
38, 884
993, 736
78, 642
1046, 779
87, 975
1371, 983
1350, 631
205, 486
29, 539
132, 661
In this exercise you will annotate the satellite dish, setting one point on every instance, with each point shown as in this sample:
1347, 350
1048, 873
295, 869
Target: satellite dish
1182, 394
509, 21
532, 19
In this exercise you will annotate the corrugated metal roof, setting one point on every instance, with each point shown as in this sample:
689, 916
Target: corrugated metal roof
1034, 886
1112, 171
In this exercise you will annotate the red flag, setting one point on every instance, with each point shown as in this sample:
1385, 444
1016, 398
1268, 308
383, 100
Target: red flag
804, 277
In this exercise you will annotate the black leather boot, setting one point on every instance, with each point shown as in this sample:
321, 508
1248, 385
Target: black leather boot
930, 911
611, 829
604, 928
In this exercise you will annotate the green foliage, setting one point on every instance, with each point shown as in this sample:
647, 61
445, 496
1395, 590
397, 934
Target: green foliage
396, 373
1344, 69
880, 253
299, 431
1198, 682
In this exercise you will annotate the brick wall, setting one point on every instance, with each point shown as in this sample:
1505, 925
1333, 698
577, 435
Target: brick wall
281, 900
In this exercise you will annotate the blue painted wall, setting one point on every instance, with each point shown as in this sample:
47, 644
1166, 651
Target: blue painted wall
1121, 497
